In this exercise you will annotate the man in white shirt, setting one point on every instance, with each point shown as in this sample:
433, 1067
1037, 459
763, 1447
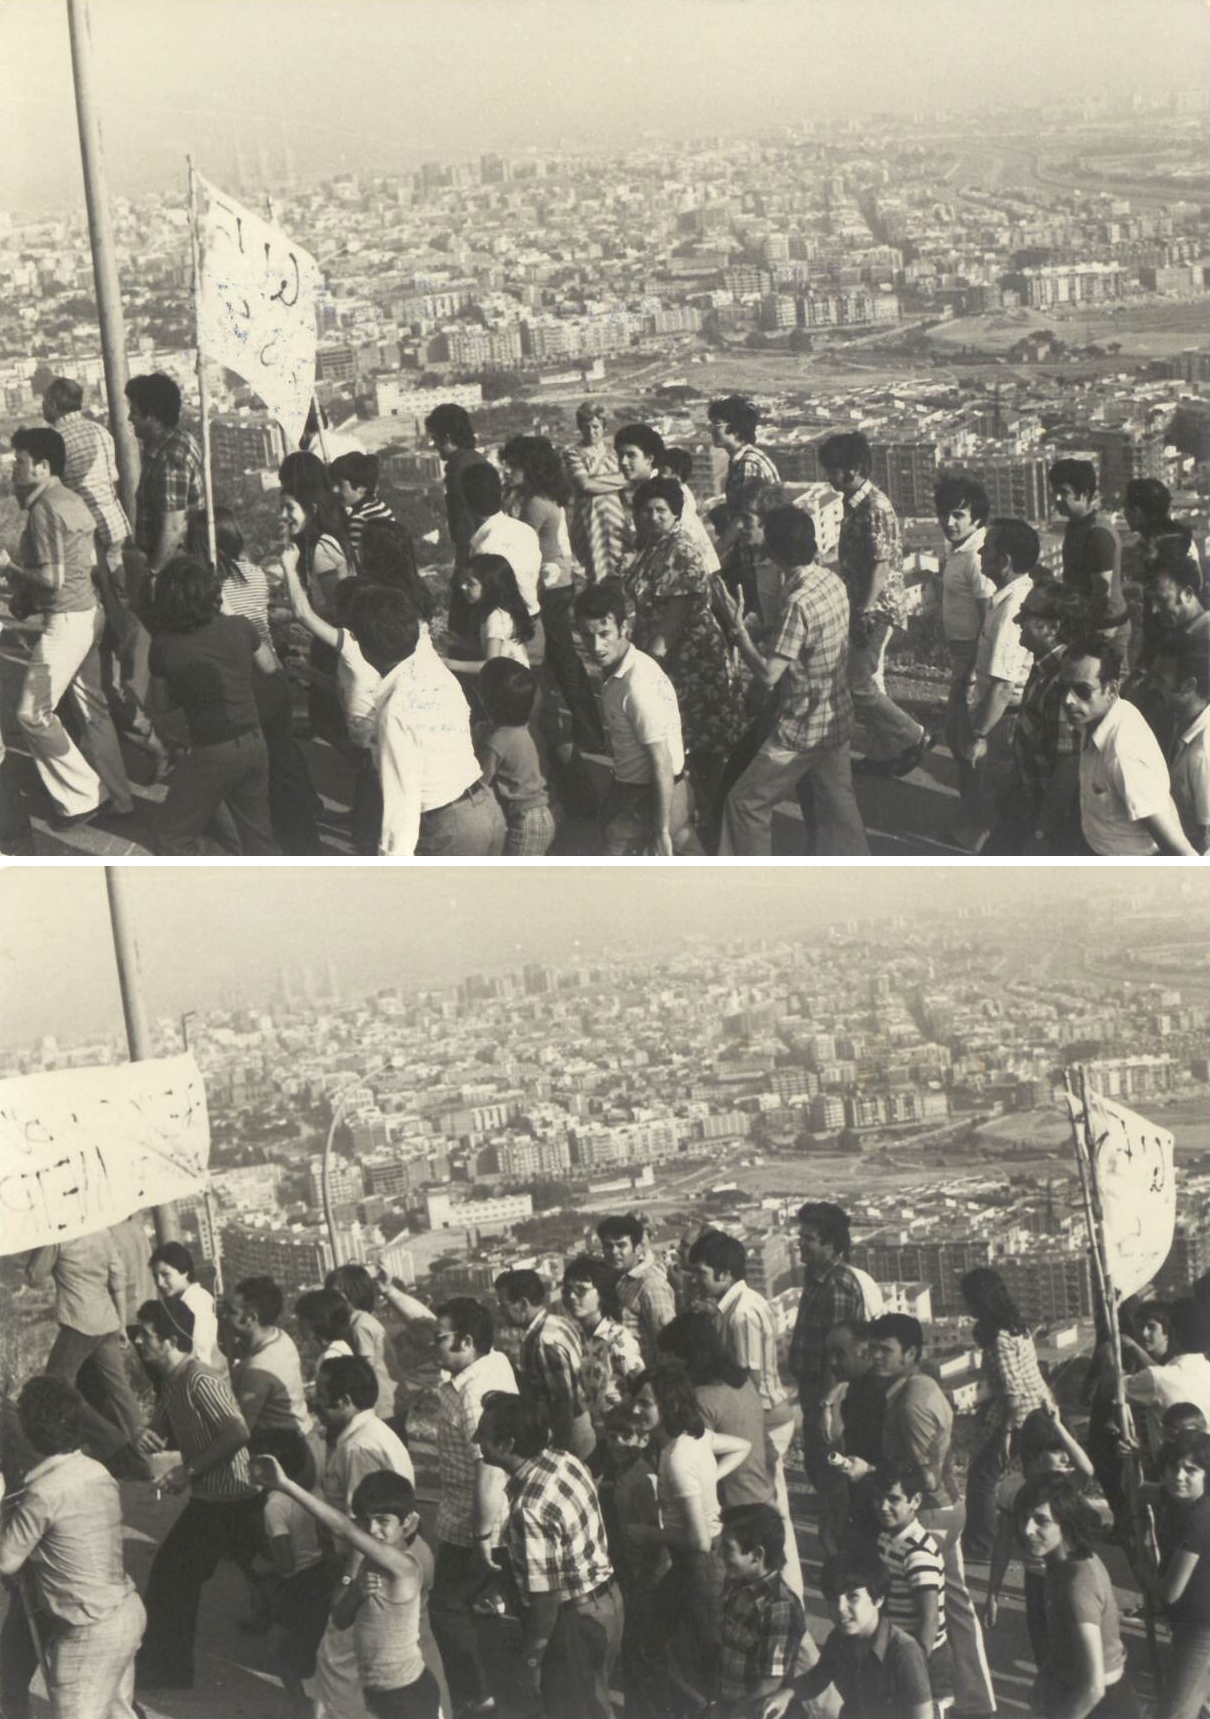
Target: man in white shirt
962, 506
498, 533
649, 809
417, 723
1182, 677
1008, 557
1126, 802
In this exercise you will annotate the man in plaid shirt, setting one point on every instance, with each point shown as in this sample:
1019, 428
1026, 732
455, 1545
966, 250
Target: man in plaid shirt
870, 553
733, 422
556, 1550
550, 1359
807, 666
831, 1295
170, 484
92, 469
1039, 811
763, 1625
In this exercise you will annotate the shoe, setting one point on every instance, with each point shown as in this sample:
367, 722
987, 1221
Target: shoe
73, 820
907, 761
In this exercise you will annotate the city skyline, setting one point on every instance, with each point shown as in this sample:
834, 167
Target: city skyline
199, 940
531, 59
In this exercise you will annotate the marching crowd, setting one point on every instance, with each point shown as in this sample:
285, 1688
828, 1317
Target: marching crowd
730, 665
612, 1521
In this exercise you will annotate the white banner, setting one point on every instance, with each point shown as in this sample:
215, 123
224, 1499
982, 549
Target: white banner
256, 305
82, 1148
1132, 1161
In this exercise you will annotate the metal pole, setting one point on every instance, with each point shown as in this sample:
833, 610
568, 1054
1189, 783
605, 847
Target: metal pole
104, 262
326, 1168
202, 394
138, 1034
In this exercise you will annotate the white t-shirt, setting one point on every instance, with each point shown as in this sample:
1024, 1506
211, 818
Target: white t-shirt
964, 589
688, 1470
200, 1303
518, 544
286, 1519
499, 625
639, 705
875, 1300
1000, 654
1184, 1379
1123, 779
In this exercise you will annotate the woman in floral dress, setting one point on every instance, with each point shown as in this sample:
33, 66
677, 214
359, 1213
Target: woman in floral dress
598, 510
674, 622
611, 1353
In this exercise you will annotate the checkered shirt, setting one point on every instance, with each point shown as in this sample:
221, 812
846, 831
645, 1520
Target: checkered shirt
761, 1632
92, 471
869, 533
550, 1362
648, 1304
815, 707
1014, 1382
834, 1298
555, 1538
1044, 732
746, 1327
611, 1356
459, 1406
171, 482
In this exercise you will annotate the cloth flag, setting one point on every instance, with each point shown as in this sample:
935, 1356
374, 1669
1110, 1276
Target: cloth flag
1133, 1165
256, 300
82, 1148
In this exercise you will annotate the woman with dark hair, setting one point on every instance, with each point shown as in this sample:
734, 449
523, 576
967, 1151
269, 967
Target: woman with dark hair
728, 1399
63, 1530
316, 544
693, 1461
537, 494
1085, 1671
499, 612
206, 662
675, 623
1182, 1582
244, 590
325, 1317
1015, 1387
598, 513
611, 1356
388, 557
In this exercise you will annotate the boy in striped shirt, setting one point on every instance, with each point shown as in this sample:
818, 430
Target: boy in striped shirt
355, 480
915, 1571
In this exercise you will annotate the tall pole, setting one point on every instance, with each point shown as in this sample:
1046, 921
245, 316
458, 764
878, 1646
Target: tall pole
104, 262
203, 400
326, 1165
138, 1034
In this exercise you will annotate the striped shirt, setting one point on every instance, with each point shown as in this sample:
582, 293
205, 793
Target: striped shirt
913, 1564
92, 471
555, 1537
648, 1304
550, 1363
245, 591
194, 1407
370, 508
459, 1406
746, 1327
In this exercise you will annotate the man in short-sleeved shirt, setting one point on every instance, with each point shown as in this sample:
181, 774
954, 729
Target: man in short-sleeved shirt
1008, 555
1126, 804
1183, 681
885, 1678
170, 486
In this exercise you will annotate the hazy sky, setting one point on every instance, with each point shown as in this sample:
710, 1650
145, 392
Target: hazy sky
384, 83
200, 927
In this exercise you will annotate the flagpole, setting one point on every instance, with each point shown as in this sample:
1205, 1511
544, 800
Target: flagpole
202, 394
1142, 1520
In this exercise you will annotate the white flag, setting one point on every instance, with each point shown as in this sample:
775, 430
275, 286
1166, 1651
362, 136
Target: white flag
1134, 1168
82, 1148
256, 305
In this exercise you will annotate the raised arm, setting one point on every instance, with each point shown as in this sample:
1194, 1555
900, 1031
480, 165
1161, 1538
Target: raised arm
391, 1560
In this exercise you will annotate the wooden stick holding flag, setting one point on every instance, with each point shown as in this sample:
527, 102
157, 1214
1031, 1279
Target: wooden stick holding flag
202, 396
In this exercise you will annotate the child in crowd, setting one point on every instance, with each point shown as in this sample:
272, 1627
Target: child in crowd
298, 1584
383, 1602
172, 1270
325, 1317
509, 757
355, 480
1182, 1584
628, 1498
915, 1570
1084, 1669
871, 1663
500, 614
763, 1622
1041, 1445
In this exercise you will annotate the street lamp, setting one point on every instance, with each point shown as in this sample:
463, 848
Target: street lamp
326, 1174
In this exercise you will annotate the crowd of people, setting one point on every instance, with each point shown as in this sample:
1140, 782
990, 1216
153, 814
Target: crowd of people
612, 1524
715, 666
